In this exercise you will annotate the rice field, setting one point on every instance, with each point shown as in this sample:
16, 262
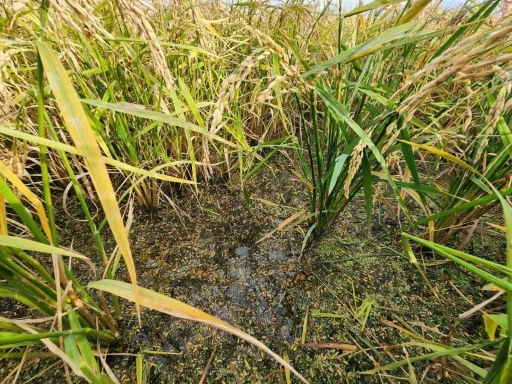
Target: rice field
328, 185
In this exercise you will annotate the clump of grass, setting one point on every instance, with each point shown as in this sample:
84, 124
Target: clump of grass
492, 273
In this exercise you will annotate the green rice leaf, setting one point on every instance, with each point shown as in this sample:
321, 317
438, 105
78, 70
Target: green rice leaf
12, 339
15, 203
82, 343
156, 116
411, 162
343, 114
505, 134
501, 370
71, 349
440, 351
367, 187
338, 167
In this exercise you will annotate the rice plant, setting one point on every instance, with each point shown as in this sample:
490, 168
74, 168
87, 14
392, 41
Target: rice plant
153, 71
369, 96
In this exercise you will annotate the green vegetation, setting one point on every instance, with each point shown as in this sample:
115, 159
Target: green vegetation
398, 103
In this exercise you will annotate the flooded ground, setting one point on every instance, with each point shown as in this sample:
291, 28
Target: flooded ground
354, 285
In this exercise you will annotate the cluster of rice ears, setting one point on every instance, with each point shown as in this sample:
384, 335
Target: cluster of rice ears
188, 94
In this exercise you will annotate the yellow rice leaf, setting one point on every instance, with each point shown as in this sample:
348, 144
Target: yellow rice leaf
35, 246
31, 197
499, 227
286, 370
206, 23
362, 24
414, 11
490, 327
85, 142
444, 154
3, 217
493, 287
108, 160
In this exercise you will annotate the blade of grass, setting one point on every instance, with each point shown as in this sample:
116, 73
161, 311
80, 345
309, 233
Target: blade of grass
79, 129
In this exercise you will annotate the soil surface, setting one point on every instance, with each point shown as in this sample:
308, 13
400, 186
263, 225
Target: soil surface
357, 290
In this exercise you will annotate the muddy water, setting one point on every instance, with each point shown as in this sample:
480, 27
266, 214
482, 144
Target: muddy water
212, 258
220, 268
209, 255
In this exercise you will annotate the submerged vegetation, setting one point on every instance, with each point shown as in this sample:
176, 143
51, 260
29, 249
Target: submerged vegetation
404, 105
